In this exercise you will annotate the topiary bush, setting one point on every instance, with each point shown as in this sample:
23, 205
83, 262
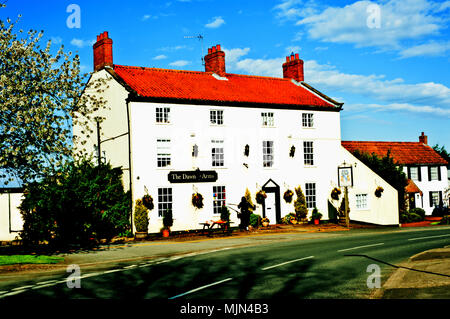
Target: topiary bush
255, 220
140, 216
300, 204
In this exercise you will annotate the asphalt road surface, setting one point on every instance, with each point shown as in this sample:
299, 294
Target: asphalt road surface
328, 265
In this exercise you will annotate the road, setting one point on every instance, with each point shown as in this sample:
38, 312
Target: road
323, 265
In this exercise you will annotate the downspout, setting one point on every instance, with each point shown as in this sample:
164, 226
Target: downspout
129, 164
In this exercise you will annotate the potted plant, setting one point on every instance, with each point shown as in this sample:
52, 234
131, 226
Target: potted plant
265, 221
379, 191
288, 196
316, 216
197, 200
140, 219
147, 201
260, 197
335, 193
167, 223
301, 211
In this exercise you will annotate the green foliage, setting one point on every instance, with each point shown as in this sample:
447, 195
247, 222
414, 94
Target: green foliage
41, 98
300, 204
445, 220
78, 204
316, 214
255, 220
287, 219
140, 216
248, 197
442, 151
414, 215
167, 218
389, 170
224, 213
418, 211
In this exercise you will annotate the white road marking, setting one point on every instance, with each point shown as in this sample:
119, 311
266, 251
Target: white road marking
437, 236
112, 270
287, 262
200, 288
365, 246
129, 267
21, 288
46, 282
12, 293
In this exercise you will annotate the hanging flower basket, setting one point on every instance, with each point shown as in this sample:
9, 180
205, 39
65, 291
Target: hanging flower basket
260, 197
197, 200
335, 193
288, 196
147, 201
379, 191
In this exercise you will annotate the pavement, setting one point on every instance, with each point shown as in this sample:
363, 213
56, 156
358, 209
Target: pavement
424, 276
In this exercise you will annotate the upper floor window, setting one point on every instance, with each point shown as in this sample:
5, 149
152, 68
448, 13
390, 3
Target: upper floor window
217, 153
163, 115
414, 173
268, 153
216, 117
308, 152
163, 153
307, 120
267, 119
434, 173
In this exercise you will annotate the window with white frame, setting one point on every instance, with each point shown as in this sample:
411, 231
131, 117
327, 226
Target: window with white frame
434, 173
310, 195
164, 200
268, 154
217, 153
219, 198
267, 119
163, 115
163, 157
361, 201
414, 173
434, 199
307, 120
216, 117
308, 152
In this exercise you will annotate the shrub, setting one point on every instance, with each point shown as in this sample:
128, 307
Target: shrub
413, 217
418, 211
140, 216
167, 218
445, 220
300, 204
255, 220
224, 213
78, 204
248, 197
315, 214
287, 219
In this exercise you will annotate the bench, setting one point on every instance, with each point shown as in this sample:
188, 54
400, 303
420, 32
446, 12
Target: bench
221, 224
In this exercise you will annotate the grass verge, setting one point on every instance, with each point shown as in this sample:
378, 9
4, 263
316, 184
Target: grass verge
29, 259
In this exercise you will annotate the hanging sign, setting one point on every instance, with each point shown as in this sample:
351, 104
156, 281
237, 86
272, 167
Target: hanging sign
345, 176
197, 176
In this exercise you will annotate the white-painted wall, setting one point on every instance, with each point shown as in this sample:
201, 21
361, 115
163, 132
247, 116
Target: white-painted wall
10, 218
190, 124
382, 210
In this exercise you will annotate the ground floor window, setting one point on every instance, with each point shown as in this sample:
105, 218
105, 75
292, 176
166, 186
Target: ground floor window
219, 198
164, 200
434, 199
310, 194
361, 201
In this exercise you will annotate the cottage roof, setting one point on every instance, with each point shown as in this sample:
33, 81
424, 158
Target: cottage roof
405, 153
208, 88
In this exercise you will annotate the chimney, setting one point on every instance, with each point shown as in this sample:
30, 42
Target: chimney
423, 139
103, 52
215, 61
293, 68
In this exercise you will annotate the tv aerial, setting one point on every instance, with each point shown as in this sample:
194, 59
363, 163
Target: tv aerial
200, 38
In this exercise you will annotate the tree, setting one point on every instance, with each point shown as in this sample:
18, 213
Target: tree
248, 197
80, 202
41, 97
390, 171
443, 152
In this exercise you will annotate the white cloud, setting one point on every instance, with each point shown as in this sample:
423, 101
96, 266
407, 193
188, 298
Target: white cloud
215, 23
426, 49
395, 94
179, 63
160, 57
81, 43
400, 21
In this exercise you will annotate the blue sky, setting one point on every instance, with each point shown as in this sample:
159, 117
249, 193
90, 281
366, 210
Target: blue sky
388, 61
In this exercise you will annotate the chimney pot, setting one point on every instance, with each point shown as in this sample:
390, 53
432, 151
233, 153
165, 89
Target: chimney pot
215, 61
287, 59
218, 47
297, 56
423, 139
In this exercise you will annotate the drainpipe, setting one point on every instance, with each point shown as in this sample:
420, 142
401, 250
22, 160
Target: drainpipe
129, 163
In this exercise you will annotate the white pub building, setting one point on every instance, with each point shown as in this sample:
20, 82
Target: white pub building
176, 133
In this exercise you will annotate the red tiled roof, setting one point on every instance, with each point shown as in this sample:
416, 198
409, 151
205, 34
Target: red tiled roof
403, 152
192, 85
412, 187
